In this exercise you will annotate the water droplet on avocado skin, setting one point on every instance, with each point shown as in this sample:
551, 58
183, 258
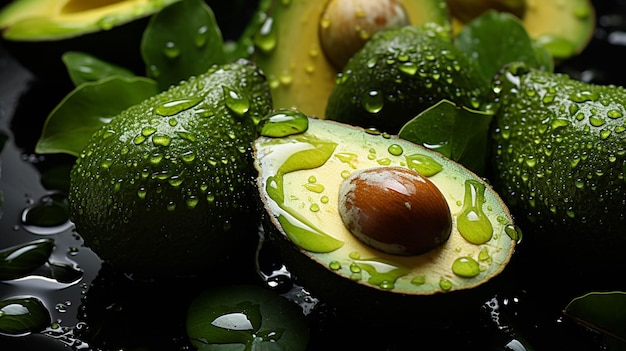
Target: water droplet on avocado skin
173, 107
236, 102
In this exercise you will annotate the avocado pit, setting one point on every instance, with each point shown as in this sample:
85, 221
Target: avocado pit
346, 25
395, 210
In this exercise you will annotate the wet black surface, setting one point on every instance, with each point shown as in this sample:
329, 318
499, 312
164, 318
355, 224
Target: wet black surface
108, 310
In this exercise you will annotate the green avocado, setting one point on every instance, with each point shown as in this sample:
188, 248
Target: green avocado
37, 32
401, 72
563, 27
162, 188
375, 224
560, 162
291, 52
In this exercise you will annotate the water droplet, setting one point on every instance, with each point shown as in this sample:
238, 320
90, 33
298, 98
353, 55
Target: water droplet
445, 284
200, 38
107, 22
171, 206
465, 267
559, 122
596, 121
583, 96
423, 164
395, 149
348, 158
614, 114
188, 156
384, 161
316, 188
472, 223
283, 123
409, 68
155, 158
171, 50
173, 107
161, 140
418, 280
373, 101
266, 37
382, 272
139, 139
236, 102
192, 202
49, 215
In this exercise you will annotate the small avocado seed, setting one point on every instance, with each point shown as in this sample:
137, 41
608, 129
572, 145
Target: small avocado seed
395, 210
345, 25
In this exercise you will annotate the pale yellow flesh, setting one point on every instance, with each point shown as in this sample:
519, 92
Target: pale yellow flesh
434, 266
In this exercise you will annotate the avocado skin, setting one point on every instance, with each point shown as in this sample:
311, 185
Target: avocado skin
559, 162
143, 236
410, 69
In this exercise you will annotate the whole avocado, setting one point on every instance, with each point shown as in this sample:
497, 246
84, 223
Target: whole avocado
559, 147
401, 72
161, 189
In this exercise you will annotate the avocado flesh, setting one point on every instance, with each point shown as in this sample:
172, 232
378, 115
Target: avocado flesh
328, 258
558, 147
563, 27
292, 58
37, 20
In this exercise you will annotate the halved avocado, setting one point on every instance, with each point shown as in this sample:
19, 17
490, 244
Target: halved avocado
563, 27
300, 184
37, 32
290, 52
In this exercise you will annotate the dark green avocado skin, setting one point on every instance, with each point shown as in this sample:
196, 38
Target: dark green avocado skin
164, 208
400, 73
559, 151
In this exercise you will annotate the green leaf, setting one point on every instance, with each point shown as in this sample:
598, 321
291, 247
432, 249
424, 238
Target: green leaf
23, 316
20, 260
87, 108
482, 39
83, 68
244, 46
457, 133
182, 40
231, 317
602, 311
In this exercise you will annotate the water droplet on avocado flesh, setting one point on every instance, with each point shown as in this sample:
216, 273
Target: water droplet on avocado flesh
329, 152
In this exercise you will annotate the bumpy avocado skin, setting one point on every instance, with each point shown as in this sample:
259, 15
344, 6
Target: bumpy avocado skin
400, 73
558, 150
159, 193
